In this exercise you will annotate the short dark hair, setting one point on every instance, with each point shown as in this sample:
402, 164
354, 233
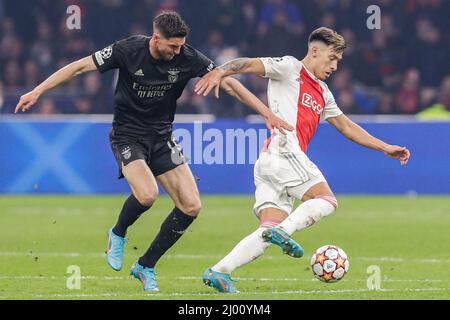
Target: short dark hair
170, 25
329, 37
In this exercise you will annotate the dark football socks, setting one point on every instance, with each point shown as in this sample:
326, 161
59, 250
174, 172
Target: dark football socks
171, 230
131, 211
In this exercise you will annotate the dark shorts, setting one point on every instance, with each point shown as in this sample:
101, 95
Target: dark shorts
161, 155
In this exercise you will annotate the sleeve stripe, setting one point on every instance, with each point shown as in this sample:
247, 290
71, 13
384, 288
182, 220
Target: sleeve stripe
99, 58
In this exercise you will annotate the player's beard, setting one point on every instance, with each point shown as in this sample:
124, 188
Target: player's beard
168, 57
165, 56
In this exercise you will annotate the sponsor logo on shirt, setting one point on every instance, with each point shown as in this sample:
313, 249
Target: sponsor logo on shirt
309, 102
157, 91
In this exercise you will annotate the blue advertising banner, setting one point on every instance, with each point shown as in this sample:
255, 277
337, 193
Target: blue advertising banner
74, 157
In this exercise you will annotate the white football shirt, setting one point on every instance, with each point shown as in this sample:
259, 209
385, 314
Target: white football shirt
299, 98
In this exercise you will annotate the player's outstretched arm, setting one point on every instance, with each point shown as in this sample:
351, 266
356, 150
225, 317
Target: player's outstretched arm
357, 134
238, 66
234, 88
60, 76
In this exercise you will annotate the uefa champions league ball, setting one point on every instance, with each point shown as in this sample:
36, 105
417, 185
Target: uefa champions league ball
329, 263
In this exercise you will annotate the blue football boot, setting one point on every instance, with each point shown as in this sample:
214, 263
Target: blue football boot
222, 282
115, 249
284, 241
146, 275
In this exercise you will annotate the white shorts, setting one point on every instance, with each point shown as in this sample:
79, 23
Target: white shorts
280, 178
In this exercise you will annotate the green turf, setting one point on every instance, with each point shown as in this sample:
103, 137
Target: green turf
408, 238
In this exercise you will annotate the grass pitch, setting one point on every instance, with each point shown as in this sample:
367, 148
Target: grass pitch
40, 237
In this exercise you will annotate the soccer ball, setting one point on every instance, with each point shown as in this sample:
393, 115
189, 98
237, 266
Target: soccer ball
329, 264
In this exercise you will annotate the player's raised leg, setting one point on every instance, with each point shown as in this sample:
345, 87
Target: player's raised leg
145, 190
318, 202
180, 184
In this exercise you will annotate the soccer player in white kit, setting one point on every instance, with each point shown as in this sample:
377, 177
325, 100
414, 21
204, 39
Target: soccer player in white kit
283, 172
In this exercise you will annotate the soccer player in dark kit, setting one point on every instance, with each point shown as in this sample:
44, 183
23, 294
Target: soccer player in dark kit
153, 72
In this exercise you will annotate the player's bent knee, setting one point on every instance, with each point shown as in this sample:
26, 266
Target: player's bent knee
192, 209
146, 198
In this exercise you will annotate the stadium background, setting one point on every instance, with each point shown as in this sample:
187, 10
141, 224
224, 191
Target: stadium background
395, 82
401, 69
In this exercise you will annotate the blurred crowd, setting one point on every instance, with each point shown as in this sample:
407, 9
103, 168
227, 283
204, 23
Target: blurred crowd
402, 68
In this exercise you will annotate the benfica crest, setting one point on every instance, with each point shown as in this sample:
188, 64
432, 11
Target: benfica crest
173, 75
126, 153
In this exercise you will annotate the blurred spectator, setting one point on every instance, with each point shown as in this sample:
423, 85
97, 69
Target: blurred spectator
46, 107
388, 25
385, 104
365, 98
350, 58
341, 80
12, 76
273, 9
328, 20
379, 73
249, 12
2, 11
377, 60
76, 44
227, 54
407, 98
83, 105
10, 44
444, 94
346, 102
2, 96
215, 44
167, 5
96, 93
31, 74
137, 28
282, 40
192, 103
143, 13
108, 20
427, 97
228, 20
42, 49
429, 56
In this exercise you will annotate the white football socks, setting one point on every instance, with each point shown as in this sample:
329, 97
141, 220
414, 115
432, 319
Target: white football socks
250, 248
308, 213
253, 246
